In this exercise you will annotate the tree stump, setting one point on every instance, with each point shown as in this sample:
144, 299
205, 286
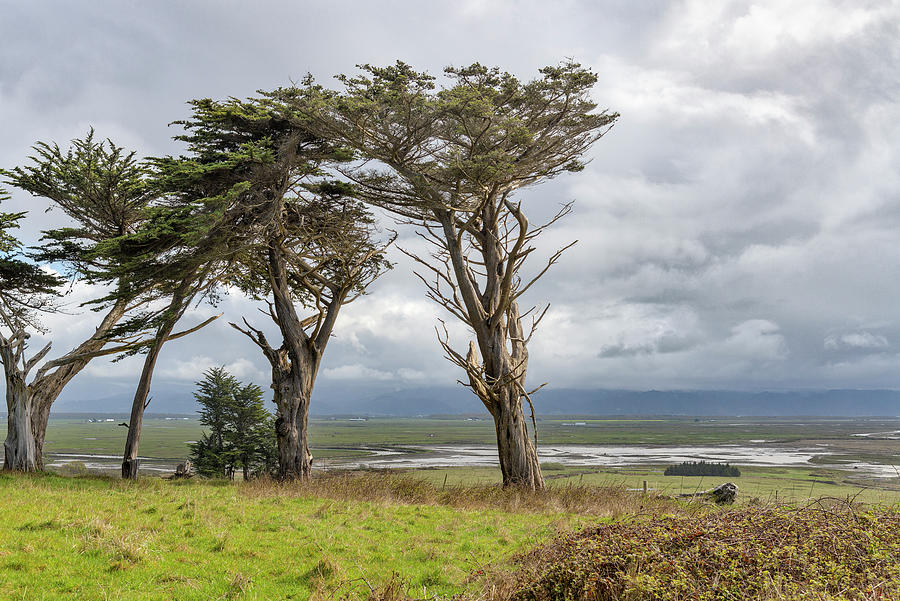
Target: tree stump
724, 494
184, 470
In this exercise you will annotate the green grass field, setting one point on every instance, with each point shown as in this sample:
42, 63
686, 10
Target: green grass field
96, 538
363, 535
378, 535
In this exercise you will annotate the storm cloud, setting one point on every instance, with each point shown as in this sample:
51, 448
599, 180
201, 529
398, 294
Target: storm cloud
738, 228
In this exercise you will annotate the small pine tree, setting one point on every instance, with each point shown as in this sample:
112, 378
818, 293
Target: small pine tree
250, 428
241, 431
214, 393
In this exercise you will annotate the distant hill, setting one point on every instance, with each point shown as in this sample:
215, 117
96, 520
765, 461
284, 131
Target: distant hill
380, 399
721, 402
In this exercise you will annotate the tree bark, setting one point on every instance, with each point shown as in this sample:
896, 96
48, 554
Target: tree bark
19, 448
292, 396
504, 374
130, 458
40, 416
518, 456
295, 365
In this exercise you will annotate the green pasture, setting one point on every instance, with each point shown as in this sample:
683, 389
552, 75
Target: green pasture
96, 538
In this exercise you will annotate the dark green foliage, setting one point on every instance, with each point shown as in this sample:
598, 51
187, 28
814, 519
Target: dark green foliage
100, 186
105, 192
258, 153
24, 286
823, 551
299, 238
250, 433
241, 431
702, 468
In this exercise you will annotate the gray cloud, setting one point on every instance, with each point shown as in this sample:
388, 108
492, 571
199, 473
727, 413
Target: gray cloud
737, 228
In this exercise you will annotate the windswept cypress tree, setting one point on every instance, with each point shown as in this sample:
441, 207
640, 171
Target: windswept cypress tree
308, 245
454, 161
102, 189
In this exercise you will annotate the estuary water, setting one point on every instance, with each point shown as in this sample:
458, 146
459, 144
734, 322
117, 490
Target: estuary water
425, 456
614, 456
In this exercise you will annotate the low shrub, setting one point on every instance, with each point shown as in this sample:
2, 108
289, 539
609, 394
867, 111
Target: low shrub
823, 551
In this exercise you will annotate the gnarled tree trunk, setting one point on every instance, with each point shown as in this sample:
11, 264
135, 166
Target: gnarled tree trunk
518, 455
293, 388
40, 416
502, 388
295, 365
19, 448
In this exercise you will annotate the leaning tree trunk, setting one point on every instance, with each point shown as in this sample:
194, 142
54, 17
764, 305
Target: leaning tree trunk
40, 416
130, 458
48, 385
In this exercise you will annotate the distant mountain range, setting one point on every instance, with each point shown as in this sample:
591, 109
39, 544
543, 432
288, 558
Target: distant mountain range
379, 399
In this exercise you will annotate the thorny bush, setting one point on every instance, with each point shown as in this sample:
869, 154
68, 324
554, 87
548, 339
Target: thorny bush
825, 550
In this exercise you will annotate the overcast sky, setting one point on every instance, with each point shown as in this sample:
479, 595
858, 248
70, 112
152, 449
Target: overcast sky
738, 228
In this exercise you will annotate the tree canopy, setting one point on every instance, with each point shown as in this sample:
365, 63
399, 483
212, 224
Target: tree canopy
449, 159
307, 244
25, 288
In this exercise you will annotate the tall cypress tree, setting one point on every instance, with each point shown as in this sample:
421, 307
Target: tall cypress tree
309, 246
454, 161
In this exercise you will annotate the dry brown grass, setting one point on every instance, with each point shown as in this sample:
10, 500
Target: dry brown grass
388, 487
